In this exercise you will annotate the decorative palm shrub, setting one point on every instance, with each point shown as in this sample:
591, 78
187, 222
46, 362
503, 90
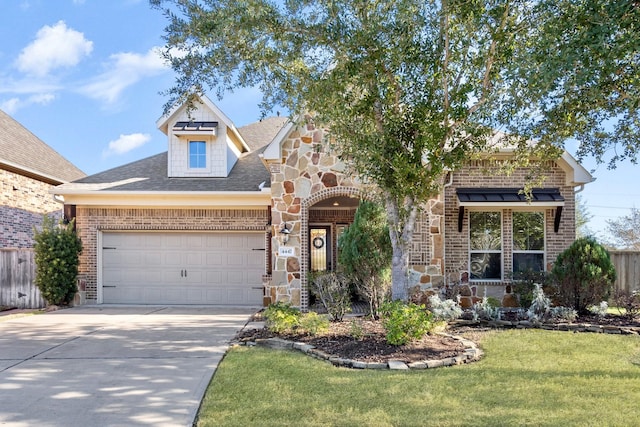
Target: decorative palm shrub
57, 249
583, 275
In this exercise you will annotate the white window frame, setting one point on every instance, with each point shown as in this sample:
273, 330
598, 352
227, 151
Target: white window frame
475, 251
206, 150
544, 239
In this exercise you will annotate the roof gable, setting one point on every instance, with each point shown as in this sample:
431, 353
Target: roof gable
164, 121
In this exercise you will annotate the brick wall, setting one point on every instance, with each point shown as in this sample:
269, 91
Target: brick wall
481, 174
89, 221
23, 202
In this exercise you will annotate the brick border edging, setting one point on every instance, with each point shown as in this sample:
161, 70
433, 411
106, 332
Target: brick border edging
571, 327
471, 354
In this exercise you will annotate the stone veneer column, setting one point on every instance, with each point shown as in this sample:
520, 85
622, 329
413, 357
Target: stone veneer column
307, 173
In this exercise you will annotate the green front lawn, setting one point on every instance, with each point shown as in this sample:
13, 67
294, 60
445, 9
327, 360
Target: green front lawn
526, 378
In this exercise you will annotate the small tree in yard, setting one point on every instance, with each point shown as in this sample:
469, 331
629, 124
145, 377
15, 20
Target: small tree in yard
365, 254
583, 274
57, 248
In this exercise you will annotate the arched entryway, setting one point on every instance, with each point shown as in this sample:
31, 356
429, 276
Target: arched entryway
323, 218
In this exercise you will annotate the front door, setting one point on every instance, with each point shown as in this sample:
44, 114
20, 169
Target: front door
320, 248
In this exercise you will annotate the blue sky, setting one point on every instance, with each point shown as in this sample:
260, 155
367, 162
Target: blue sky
85, 76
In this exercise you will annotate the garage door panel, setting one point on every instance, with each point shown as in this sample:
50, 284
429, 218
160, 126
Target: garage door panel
183, 268
194, 258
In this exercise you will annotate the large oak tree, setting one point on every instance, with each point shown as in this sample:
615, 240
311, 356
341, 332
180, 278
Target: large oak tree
411, 89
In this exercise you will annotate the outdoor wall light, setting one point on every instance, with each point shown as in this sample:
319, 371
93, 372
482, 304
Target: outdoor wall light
285, 231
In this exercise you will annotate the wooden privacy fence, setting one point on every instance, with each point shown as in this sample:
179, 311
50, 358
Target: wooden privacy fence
17, 279
627, 265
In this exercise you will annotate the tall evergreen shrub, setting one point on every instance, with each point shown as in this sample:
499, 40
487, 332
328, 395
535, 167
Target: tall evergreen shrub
365, 254
583, 275
57, 249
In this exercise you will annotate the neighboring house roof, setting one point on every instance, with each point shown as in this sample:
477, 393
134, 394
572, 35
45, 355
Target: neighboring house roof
23, 152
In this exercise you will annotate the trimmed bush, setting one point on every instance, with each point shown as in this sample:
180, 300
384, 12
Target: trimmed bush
282, 318
57, 249
405, 322
583, 275
313, 323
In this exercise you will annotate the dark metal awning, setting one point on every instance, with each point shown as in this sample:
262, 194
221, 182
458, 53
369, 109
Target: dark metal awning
194, 128
509, 197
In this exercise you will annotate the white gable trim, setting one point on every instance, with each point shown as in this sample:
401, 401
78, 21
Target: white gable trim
576, 173
274, 149
163, 122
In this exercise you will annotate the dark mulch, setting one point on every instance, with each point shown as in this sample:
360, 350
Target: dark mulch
364, 340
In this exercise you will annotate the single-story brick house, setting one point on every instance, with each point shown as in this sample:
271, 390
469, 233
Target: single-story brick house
29, 168
240, 216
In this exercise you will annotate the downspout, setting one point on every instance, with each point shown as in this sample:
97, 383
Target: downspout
58, 198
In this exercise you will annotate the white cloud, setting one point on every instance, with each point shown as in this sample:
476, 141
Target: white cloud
124, 70
12, 105
126, 143
54, 47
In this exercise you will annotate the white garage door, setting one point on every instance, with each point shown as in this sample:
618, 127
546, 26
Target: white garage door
182, 268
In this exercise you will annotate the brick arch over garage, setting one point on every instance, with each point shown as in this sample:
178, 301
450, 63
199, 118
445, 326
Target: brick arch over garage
305, 206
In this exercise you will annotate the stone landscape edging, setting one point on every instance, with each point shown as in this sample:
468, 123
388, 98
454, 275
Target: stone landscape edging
471, 354
570, 327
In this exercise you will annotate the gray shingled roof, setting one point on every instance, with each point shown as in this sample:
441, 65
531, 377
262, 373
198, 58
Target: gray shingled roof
22, 149
259, 134
150, 174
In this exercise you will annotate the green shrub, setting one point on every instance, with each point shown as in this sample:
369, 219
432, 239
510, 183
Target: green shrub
494, 302
583, 275
57, 249
282, 318
405, 322
313, 323
333, 292
365, 255
356, 330
524, 283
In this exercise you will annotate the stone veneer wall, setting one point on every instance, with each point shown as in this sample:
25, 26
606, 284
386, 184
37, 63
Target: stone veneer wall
90, 220
308, 173
23, 208
457, 243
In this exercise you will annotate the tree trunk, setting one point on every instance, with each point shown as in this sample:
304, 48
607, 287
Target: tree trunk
401, 221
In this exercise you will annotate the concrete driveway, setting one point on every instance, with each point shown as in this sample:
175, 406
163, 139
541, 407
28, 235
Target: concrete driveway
112, 365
